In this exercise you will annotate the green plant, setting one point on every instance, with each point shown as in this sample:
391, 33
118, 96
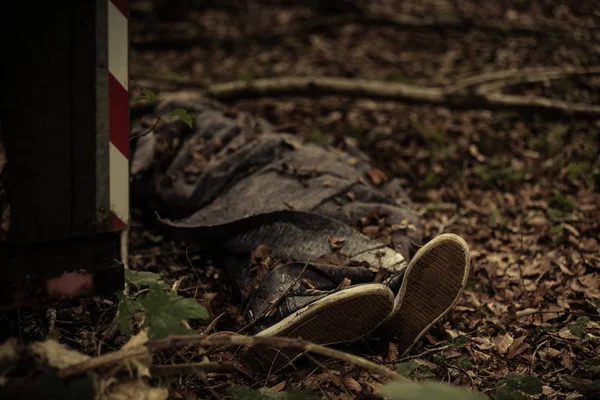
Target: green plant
557, 232
246, 75
432, 179
495, 172
317, 137
515, 386
151, 97
579, 328
459, 342
427, 391
414, 370
463, 361
578, 170
163, 308
559, 206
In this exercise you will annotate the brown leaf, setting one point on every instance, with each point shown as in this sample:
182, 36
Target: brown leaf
336, 243
344, 284
590, 280
503, 342
483, 343
279, 387
392, 355
352, 384
567, 360
517, 347
376, 176
260, 252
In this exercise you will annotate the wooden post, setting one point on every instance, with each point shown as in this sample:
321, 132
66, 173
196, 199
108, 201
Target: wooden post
64, 123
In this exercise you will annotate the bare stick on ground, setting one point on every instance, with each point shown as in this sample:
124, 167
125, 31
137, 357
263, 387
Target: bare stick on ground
175, 342
472, 92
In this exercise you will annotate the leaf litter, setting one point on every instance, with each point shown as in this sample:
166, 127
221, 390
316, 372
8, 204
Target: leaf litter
521, 189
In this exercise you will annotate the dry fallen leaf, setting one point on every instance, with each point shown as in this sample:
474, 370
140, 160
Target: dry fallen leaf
352, 384
517, 347
336, 242
134, 390
567, 360
279, 387
503, 342
483, 343
376, 176
392, 355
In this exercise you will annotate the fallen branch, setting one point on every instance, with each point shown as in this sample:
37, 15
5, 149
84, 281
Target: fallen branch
472, 92
500, 79
175, 342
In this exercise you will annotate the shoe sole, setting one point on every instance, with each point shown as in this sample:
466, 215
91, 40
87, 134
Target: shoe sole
434, 281
343, 316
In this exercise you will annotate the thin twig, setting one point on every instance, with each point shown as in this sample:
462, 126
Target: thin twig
139, 135
429, 351
212, 324
174, 342
451, 221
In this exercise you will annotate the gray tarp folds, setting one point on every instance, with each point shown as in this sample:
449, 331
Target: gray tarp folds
231, 183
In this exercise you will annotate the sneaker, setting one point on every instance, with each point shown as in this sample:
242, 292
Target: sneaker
426, 290
339, 317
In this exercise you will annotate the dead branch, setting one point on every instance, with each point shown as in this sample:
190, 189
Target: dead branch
501, 79
174, 342
471, 92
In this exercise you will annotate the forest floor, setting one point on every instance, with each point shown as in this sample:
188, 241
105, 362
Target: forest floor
522, 187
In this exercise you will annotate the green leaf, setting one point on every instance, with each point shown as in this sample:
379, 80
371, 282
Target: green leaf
428, 391
244, 393
183, 115
412, 369
317, 137
580, 326
137, 99
431, 179
127, 307
506, 393
406, 368
459, 341
165, 310
143, 278
246, 76
292, 42
525, 383
463, 361
560, 202
150, 95
577, 170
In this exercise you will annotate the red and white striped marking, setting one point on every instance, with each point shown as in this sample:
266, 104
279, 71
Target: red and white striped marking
118, 93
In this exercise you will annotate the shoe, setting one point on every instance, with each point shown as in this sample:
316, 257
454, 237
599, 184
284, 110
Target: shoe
339, 317
426, 290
